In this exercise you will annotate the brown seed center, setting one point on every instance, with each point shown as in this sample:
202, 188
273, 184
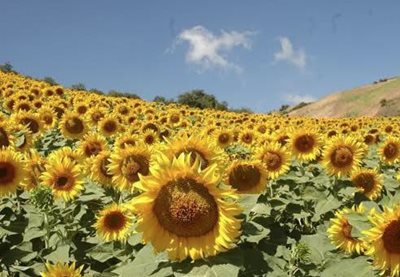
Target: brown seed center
365, 181
93, 148
62, 183
342, 157
133, 165
110, 126
391, 237
304, 143
186, 208
223, 138
74, 125
390, 151
32, 124
244, 177
115, 221
7, 173
272, 160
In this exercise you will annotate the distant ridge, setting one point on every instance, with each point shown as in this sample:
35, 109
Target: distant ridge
380, 98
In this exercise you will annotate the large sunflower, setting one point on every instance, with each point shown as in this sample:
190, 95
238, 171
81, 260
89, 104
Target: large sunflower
342, 155
183, 211
275, 158
368, 182
114, 222
62, 270
305, 144
384, 240
12, 171
389, 151
127, 164
246, 177
340, 229
64, 177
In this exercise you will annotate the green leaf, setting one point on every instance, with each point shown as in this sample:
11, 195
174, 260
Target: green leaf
104, 252
61, 254
214, 271
349, 267
360, 223
325, 205
144, 264
248, 201
319, 245
34, 233
254, 232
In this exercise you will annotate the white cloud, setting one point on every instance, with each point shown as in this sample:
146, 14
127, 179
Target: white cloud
210, 51
297, 98
289, 54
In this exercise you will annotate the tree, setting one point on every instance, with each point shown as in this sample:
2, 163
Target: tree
50, 81
7, 67
79, 86
242, 110
131, 95
199, 99
162, 99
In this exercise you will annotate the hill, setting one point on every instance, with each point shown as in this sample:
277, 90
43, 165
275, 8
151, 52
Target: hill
381, 98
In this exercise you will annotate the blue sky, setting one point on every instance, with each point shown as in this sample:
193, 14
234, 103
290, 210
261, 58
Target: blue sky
257, 54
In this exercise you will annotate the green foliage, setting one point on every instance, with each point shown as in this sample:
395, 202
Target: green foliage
78, 86
123, 94
7, 67
199, 99
50, 81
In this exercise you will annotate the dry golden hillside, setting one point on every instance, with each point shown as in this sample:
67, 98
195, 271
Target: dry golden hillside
380, 98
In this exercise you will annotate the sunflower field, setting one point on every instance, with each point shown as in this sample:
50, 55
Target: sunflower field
96, 185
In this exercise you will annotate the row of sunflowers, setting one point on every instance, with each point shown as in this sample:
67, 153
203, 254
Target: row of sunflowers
110, 186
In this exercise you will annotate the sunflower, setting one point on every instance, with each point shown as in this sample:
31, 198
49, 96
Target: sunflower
197, 146
339, 231
368, 182
384, 240
64, 177
65, 152
73, 125
389, 151
12, 171
114, 222
62, 270
96, 114
48, 116
342, 155
29, 119
305, 144
98, 168
223, 137
149, 137
5, 136
183, 211
35, 167
275, 158
246, 177
247, 137
109, 125
125, 140
92, 144
127, 164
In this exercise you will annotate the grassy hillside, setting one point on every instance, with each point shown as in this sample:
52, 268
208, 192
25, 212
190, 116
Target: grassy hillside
380, 98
